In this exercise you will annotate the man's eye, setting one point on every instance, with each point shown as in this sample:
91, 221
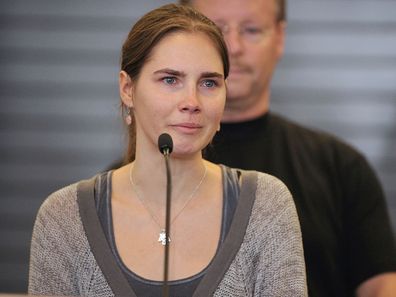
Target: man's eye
252, 30
169, 80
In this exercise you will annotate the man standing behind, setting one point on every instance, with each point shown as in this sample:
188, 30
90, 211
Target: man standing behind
348, 242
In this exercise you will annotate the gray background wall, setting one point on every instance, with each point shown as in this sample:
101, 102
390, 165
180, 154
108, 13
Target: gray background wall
59, 119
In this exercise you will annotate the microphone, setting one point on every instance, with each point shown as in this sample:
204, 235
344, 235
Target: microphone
165, 143
165, 146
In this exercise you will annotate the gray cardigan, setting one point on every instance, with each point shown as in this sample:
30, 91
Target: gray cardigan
262, 254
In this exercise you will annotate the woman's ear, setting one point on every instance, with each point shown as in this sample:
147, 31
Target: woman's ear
126, 89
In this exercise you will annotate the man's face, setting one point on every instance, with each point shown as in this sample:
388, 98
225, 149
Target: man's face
255, 42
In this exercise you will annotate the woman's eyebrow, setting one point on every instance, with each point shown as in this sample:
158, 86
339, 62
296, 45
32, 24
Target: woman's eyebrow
212, 74
170, 71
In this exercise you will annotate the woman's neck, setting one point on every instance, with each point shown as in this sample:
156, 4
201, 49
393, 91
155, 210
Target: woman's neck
150, 179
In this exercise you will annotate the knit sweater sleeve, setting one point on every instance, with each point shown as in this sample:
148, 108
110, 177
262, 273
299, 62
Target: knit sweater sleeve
282, 266
61, 262
272, 257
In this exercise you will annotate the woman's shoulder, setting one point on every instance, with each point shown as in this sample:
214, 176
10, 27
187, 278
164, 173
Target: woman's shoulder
60, 208
59, 219
60, 201
266, 186
63, 199
271, 193
266, 183
59, 240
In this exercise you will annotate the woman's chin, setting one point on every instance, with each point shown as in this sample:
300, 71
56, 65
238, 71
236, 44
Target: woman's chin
187, 151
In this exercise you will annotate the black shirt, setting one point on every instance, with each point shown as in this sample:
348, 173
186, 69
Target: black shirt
345, 225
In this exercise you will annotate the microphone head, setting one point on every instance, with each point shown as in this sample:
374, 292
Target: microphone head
165, 143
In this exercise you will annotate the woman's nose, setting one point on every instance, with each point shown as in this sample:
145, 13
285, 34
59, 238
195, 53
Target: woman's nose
190, 103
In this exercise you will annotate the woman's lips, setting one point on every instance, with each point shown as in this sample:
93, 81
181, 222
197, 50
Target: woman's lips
188, 128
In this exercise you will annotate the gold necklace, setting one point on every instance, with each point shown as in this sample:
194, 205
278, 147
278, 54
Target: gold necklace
162, 233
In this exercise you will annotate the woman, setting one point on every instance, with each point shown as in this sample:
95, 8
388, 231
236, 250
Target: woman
233, 232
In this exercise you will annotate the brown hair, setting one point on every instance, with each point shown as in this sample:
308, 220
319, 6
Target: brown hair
149, 30
280, 14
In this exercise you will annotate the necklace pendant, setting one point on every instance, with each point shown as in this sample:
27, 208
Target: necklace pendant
162, 237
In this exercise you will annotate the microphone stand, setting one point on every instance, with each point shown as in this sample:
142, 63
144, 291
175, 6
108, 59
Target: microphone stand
165, 288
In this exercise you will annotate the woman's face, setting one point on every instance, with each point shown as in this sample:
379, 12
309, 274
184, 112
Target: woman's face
180, 91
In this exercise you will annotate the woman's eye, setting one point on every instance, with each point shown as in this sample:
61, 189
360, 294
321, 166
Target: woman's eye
169, 80
209, 83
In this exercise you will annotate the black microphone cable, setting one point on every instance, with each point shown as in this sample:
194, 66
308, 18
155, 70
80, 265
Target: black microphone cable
165, 145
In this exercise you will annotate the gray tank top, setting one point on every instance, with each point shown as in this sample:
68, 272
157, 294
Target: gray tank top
177, 288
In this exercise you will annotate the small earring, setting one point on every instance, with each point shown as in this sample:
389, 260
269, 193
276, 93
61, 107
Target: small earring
128, 118
218, 128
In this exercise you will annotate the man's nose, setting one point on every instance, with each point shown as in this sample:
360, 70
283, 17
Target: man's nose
234, 41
